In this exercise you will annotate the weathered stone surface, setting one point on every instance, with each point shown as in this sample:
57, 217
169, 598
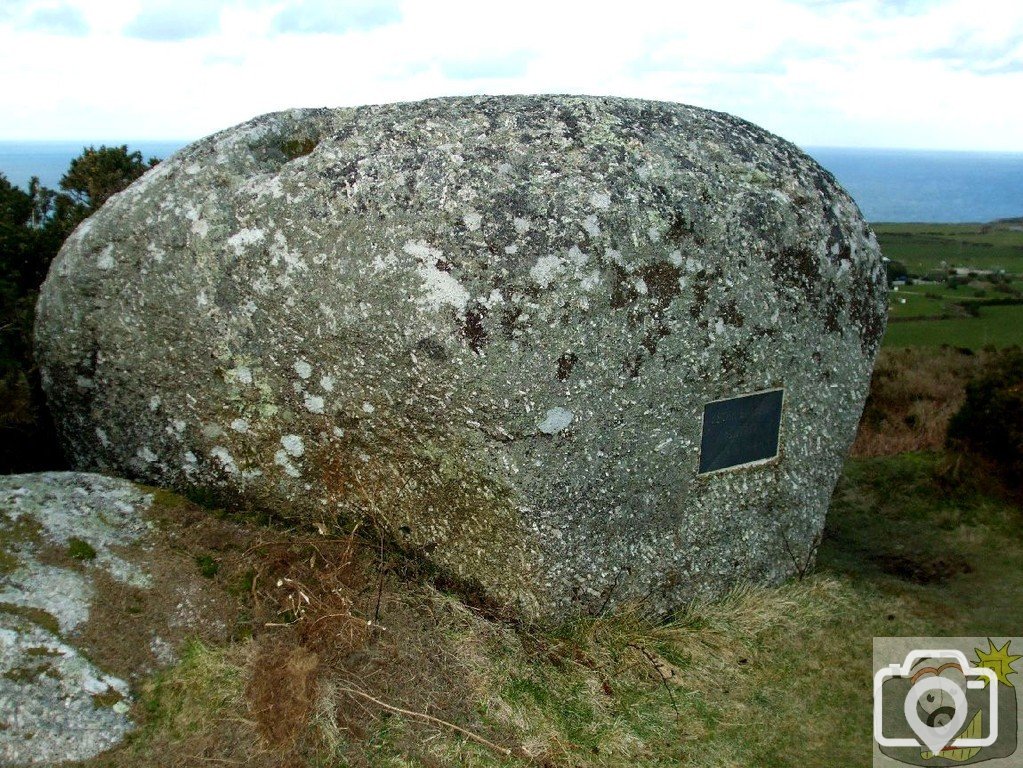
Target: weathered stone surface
90, 601
491, 326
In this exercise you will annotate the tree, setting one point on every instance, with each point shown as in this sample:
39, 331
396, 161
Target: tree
97, 174
33, 226
25, 248
896, 271
24, 257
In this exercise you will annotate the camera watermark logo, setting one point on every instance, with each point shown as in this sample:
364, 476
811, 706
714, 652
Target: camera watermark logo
947, 701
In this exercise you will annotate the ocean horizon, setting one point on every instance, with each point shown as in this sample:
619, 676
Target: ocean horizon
889, 185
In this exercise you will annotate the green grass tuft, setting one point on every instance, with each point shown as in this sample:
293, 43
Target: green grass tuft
207, 565
78, 549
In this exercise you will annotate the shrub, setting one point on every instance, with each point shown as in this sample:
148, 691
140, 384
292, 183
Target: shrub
990, 421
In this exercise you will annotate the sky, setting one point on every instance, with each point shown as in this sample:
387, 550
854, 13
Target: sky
929, 74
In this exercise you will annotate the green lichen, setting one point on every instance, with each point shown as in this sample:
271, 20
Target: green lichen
8, 562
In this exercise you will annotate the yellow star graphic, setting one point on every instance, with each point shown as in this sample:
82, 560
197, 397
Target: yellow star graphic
998, 660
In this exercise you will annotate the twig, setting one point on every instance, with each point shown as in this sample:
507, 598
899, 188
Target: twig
255, 593
804, 567
663, 679
380, 582
610, 594
431, 719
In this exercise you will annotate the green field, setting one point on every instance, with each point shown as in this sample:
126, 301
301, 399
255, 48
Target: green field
958, 314
914, 303
998, 326
926, 247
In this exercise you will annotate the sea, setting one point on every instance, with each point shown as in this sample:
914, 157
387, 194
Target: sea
890, 185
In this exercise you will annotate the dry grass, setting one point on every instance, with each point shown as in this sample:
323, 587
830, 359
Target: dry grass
436, 683
281, 691
913, 394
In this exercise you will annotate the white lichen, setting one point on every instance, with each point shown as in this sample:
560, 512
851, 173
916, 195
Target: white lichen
221, 454
546, 270
293, 444
241, 374
241, 240
439, 288
282, 460
556, 420
105, 260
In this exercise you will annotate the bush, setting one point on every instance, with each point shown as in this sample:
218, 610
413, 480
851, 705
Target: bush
990, 421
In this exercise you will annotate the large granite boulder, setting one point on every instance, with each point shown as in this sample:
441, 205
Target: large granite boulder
574, 351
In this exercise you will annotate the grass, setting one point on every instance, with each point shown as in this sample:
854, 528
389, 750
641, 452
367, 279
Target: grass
768, 676
925, 527
78, 549
913, 394
198, 704
915, 303
707, 689
999, 326
207, 566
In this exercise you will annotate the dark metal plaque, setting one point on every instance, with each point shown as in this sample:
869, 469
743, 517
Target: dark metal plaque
740, 430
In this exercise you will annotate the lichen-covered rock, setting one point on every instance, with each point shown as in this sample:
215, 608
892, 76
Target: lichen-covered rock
493, 327
91, 600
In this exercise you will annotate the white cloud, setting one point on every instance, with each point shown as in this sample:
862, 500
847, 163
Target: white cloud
173, 22
324, 17
56, 19
486, 67
851, 72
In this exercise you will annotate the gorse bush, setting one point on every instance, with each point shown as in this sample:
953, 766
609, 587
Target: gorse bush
990, 421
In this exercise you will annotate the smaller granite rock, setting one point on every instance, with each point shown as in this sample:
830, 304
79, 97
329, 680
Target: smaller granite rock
55, 704
91, 599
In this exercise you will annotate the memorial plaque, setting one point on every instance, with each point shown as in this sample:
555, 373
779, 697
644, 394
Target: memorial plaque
740, 430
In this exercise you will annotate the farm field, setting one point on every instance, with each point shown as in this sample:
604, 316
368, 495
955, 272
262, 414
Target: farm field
997, 326
969, 311
925, 247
